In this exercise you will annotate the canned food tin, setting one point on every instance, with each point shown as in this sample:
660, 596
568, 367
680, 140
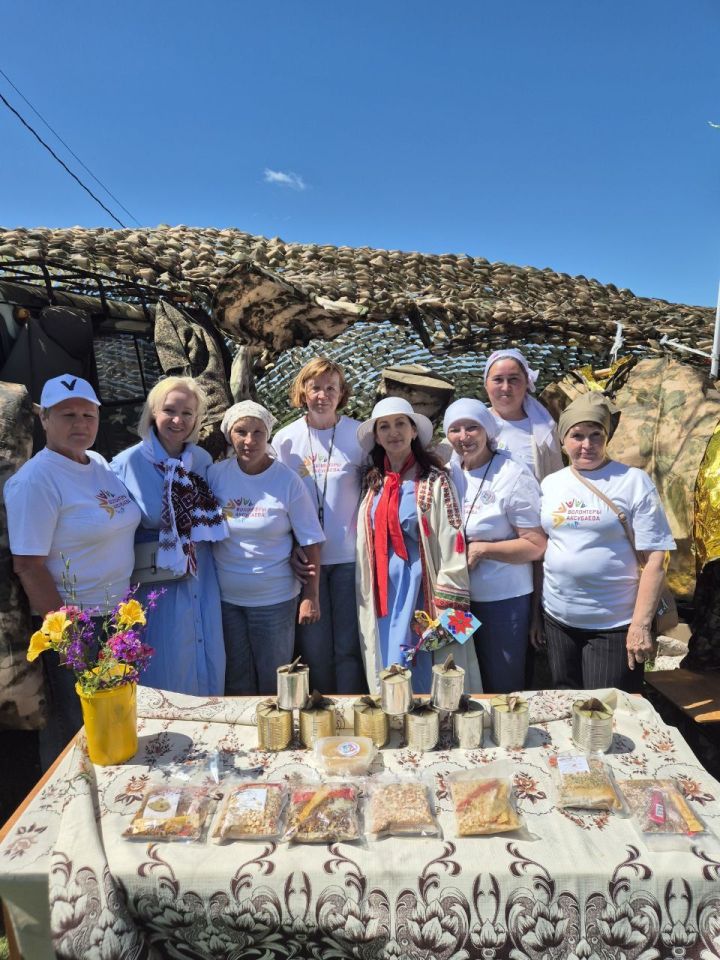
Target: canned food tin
395, 690
592, 725
275, 726
293, 686
447, 685
468, 725
509, 720
422, 727
369, 720
316, 723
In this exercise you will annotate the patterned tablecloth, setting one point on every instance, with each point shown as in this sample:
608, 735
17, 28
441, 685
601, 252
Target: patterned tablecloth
589, 889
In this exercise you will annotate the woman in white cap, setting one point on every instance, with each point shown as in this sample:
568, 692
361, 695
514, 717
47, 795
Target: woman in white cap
410, 547
598, 603
501, 520
322, 448
266, 505
166, 474
71, 526
526, 429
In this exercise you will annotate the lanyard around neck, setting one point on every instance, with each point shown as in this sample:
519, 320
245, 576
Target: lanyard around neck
477, 494
321, 499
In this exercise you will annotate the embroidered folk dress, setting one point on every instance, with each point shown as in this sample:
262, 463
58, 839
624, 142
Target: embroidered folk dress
185, 629
442, 583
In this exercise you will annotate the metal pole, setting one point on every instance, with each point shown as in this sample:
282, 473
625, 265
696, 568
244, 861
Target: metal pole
715, 357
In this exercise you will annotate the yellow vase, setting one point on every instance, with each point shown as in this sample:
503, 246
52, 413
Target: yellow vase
110, 718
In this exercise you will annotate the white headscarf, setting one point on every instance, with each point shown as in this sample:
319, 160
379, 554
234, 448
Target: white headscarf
247, 408
512, 354
540, 419
468, 409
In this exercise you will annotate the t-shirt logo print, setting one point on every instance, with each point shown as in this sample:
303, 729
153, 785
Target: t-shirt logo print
111, 503
564, 513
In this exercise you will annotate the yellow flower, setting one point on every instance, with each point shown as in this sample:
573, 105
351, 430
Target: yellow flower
129, 614
38, 643
55, 624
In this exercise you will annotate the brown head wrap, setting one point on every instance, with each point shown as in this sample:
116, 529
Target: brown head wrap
592, 407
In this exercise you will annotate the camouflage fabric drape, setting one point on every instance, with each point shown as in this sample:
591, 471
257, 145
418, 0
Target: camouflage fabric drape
21, 683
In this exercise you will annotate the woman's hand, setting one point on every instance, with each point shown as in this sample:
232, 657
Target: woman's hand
640, 644
537, 631
476, 550
309, 610
301, 566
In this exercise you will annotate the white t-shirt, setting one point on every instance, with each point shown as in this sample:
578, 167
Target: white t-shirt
263, 512
306, 452
75, 512
591, 573
516, 439
508, 500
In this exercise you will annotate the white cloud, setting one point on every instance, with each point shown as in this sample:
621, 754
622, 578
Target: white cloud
292, 180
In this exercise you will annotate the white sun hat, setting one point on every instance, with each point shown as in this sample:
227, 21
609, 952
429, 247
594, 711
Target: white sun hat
391, 407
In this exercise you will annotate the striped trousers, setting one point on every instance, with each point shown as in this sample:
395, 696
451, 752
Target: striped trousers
590, 659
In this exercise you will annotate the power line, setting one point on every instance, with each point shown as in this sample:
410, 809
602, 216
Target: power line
68, 148
50, 150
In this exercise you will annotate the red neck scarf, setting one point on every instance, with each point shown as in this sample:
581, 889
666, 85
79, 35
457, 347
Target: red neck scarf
387, 526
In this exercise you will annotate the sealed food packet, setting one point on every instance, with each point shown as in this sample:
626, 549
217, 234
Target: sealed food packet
323, 813
483, 804
660, 811
585, 781
250, 811
171, 813
349, 756
398, 806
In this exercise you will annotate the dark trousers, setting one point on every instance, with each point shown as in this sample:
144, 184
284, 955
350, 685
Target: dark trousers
331, 647
590, 659
501, 642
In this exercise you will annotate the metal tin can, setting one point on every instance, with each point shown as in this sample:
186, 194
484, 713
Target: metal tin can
468, 726
422, 727
275, 726
592, 733
293, 688
509, 727
315, 724
395, 690
369, 720
447, 686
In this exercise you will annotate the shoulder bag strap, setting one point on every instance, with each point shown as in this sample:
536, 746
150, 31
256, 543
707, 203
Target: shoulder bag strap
622, 517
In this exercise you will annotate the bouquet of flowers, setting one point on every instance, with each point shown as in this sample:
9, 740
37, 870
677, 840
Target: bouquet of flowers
111, 657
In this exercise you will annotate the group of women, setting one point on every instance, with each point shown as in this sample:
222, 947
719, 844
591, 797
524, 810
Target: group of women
325, 540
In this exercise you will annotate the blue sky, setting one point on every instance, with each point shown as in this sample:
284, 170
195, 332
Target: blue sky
572, 135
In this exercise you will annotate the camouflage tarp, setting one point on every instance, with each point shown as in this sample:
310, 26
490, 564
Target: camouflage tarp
21, 683
190, 346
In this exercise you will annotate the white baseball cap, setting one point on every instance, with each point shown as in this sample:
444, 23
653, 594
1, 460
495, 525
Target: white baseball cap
66, 387
388, 407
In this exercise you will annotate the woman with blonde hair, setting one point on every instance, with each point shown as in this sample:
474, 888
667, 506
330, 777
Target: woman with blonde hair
166, 476
321, 447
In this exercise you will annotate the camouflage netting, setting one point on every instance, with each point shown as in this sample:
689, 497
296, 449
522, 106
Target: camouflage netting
278, 295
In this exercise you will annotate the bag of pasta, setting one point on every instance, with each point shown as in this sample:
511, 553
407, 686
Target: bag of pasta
483, 802
399, 806
584, 781
250, 811
323, 813
171, 813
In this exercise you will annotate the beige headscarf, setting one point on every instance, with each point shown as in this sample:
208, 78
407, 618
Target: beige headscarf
592, 407
247, 408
